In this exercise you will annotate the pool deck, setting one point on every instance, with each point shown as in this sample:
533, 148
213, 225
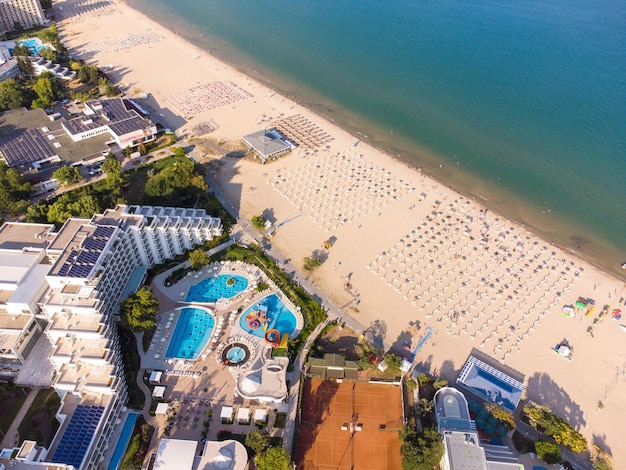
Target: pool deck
195, 386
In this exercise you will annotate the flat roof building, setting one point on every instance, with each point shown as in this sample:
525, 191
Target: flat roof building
31, 139
491, 381
268, 143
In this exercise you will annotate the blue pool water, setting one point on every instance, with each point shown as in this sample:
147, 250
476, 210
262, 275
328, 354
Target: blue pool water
279, 315
235, 354
122, 443
214, 288
193, 330
33, 45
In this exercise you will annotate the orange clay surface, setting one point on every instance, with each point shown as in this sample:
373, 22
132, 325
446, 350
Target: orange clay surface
327, 406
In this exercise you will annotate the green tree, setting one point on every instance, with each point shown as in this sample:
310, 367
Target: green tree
25, 65
20, 50
178, 152
65, 207
547, 451
86, 207
11, 95
48, 54
48, 89
37, 213
365, 350
394, 362
257, 441
198, 259
138, 311
112, 167
274, 458
178, 182
501, 414
258, 221
420, 451
93, 75
68, 175
110, 90
311, 262
14, 191
440, 383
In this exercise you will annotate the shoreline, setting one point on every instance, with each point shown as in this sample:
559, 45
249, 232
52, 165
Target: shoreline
372, 231
599, 252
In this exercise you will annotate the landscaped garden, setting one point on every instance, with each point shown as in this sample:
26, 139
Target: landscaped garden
39, 423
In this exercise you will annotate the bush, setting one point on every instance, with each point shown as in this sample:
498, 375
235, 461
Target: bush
547, 451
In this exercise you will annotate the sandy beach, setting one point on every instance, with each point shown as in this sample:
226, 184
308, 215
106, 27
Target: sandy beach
408, 252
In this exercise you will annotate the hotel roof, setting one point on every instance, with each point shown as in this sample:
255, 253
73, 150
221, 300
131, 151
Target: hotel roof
112, 113
19, 236
78, 435
464, 451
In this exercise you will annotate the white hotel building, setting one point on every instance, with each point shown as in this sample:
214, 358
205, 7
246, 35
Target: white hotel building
68, 285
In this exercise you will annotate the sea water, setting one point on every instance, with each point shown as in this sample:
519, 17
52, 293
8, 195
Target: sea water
519, 104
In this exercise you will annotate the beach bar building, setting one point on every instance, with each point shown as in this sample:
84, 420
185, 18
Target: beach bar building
492, 382
268, 143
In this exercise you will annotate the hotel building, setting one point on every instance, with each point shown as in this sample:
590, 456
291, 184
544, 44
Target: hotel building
463, 447
26, 13
60, 293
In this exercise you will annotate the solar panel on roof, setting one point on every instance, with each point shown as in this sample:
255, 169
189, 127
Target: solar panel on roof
78, 435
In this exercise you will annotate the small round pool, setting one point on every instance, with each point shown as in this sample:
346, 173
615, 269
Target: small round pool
269, 313
211, 289
235, 354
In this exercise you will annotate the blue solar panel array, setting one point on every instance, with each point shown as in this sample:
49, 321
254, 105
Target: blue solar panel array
78, 435
80, 263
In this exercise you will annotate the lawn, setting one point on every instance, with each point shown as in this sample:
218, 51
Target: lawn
11, 400
40, 423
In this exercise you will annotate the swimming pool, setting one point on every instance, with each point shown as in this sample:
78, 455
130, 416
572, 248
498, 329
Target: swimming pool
193, 331
122, 443
33, 45
235, 354
279, 317
216, 287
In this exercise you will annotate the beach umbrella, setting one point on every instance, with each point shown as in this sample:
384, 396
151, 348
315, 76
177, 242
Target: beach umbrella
580, 304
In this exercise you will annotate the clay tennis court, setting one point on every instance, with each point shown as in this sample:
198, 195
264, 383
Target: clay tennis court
328, 406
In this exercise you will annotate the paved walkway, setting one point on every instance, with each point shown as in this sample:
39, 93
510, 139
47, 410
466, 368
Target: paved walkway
12, 437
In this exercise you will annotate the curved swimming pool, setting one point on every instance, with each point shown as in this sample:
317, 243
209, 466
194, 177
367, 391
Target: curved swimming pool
278, 317
191, 334
214, 288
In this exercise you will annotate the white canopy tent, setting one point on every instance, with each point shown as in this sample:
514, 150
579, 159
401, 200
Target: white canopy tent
243, 415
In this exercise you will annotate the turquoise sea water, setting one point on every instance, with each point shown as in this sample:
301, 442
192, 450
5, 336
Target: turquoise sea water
522, 104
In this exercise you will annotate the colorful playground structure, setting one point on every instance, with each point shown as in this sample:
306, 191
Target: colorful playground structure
258, 318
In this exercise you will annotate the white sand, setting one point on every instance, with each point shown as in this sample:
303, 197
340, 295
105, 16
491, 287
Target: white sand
408, 260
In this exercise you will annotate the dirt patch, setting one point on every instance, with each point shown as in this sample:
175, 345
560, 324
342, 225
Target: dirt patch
338, 341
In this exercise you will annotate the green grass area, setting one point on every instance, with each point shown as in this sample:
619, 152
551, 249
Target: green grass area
281, 420
12, 398
138, 445
39, 423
